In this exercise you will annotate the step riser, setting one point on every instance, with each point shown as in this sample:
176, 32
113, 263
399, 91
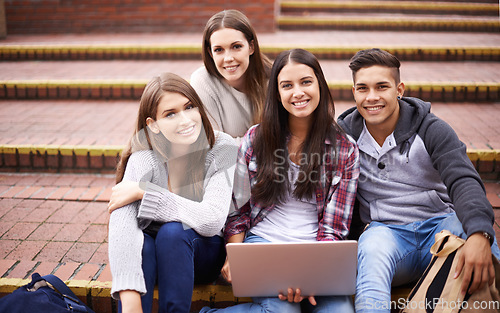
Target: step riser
306, 10
65, 159
459, 1
442, 93
81, 159
21, 54
94, 53
387, 25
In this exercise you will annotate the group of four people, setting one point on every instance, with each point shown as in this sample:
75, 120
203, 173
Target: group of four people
184, 188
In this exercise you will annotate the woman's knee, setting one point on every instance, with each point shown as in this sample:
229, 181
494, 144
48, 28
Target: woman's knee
173, 232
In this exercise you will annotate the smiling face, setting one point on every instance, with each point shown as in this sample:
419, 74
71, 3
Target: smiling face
231, 53
298, 90
177, 119
375, 91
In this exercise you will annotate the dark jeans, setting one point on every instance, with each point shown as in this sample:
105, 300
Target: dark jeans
175, 260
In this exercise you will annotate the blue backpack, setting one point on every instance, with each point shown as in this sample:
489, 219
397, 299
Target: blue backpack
44, 294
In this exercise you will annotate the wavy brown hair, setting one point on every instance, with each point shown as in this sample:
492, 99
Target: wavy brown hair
257, 74
144, 139
270, 144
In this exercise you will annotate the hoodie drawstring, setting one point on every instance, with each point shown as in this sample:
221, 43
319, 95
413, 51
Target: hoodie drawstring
405, 148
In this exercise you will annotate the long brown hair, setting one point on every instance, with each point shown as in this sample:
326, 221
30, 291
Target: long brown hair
144, 139
271, 139
258, 68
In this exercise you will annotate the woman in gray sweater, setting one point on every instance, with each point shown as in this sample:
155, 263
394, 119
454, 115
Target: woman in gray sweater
182, 171
232, 83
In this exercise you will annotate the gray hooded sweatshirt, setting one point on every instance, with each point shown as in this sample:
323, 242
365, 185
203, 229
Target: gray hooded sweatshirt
422, 172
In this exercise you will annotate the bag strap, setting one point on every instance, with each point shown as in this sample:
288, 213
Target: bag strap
69, 297
455, 293
453, 243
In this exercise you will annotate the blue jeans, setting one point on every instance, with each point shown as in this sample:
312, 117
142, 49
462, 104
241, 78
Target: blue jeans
325, 304
397, 254
175, 259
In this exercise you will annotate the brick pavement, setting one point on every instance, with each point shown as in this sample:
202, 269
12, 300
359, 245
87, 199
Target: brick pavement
54, 224
63, 219
57, 222
143, 70
85, 122
324, 38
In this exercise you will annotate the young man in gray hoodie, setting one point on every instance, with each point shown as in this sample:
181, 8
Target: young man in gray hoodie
415, 181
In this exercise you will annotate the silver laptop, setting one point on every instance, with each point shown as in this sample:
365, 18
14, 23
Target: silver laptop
318, 268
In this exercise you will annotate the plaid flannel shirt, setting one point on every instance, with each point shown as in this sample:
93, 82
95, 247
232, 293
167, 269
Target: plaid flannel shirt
334, 197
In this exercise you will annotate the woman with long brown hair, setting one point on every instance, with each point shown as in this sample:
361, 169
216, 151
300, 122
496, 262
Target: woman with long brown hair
232, 83
182, 171
301, 170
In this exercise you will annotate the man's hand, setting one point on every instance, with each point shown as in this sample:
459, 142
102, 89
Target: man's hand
476, 263
124, 193
295, 297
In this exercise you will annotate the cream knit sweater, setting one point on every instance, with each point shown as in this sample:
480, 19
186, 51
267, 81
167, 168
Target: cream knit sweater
229, 109
207, 217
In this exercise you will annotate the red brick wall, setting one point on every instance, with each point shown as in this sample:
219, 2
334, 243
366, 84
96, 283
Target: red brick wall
3, 26
134, 16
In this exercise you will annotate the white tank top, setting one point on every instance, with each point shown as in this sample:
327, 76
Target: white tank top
294, 220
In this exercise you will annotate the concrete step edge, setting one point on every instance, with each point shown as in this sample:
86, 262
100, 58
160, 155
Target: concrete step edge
390, 6
395, 23
107, 52
103, 159
114, 150
132, 89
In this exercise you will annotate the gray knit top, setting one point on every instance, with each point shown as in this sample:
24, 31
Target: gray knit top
206, 217
229, 109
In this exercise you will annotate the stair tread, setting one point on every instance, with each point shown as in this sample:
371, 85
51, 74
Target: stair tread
347, 38
392, 17
143, 70
110, 123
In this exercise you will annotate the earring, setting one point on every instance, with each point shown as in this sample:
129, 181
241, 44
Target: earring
399, 97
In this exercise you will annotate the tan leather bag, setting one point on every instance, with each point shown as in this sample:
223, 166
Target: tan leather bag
438, 292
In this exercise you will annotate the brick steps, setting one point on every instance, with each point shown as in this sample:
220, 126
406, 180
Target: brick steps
96, 293
389, 15
80, 256
103, 159
115, 90
87, 136
412, 7
193, 52
397, 2
92, 284
64, 120
326, 44
60, 158
388, 22
56, 187
45, 250
125, 79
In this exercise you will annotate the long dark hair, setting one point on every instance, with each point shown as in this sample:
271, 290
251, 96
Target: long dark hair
257, 72
272, 136
144, 139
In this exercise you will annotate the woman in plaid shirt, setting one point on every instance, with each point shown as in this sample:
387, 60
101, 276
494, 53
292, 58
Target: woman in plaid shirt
296, 176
